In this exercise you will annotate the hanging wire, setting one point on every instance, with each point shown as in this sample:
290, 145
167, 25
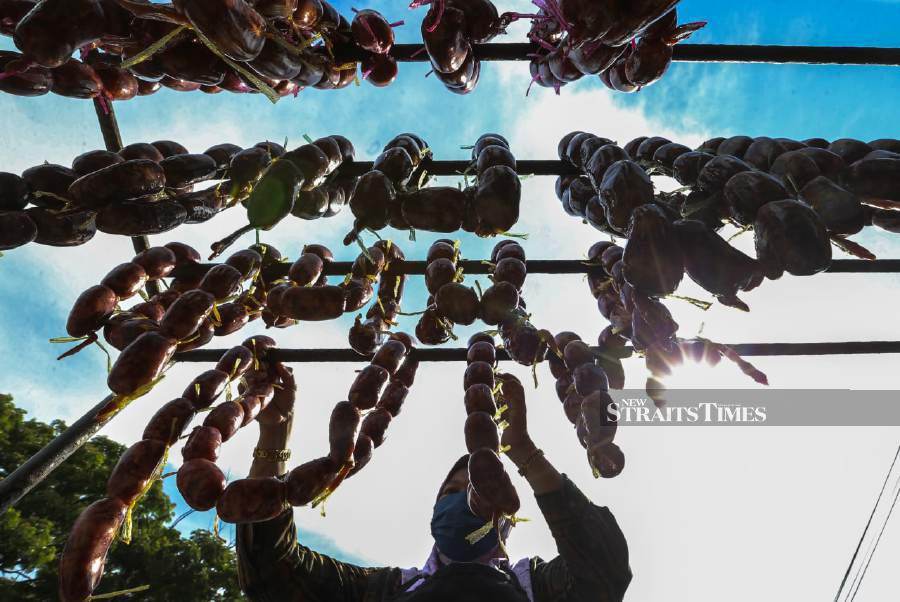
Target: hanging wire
877, 540
862, 537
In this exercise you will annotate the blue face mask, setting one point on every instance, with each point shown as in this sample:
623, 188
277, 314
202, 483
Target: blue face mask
451, 522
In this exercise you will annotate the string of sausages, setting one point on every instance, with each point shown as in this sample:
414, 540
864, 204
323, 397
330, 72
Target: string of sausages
303, 182
582, 384
491, 493
449, 30
398, 198
199, 480
364, 337
628, 45
181, 318
148, 188
647, 323
133, 48
84, 556
259, 499
799, 198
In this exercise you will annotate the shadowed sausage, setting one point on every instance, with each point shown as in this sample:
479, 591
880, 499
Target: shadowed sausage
252, 500
82, 560
134, 470
200, 483
140, 363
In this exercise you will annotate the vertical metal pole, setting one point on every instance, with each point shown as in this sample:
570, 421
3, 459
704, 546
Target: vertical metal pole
109, 127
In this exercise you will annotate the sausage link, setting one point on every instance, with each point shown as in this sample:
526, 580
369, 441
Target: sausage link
140, 363
84, 557
252, 500
169, 421
204, 442
133, 472
367, 386
200, 483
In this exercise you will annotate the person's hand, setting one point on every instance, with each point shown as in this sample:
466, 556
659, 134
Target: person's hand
515, 437
281, 409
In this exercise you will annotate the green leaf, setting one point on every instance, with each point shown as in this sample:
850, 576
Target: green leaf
273, 195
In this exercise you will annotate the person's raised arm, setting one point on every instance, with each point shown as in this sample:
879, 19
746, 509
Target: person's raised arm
593, 554
272, 565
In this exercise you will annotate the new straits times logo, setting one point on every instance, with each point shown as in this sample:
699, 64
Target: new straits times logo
642, 410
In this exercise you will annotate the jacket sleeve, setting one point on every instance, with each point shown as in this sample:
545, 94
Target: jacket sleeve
272, 565
593, 555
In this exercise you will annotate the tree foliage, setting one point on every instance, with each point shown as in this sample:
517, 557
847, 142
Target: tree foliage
33, 533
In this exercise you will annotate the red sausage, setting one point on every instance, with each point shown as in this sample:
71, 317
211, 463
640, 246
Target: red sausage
362, 453
158, 262
478, 373
206, 388
200, 483
252, 500
480, 398
590, 378
140, 363
599, 422
92, 308
392, 397
204, 442
307, 269
367, 386
149, 309
375, 424
221, 281
227, 417
184, 317
479, 506
482, 352
491, 482
342, 430
169, 421
236, 361
407, 372
390, 355
260, 344
313, 304
82, 560
134, 470
126, 279
308, 480
607, 460
246, 261
481, 431
252, 405
184, 254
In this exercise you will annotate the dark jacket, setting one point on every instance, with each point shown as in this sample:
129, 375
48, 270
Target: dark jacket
592, 562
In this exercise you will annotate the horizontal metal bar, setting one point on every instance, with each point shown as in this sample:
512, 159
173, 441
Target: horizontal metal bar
706, 53
458, 354
476, 267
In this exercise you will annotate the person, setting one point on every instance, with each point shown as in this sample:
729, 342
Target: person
593, 554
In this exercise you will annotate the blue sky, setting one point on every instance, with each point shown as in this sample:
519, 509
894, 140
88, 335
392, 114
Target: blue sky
796, 480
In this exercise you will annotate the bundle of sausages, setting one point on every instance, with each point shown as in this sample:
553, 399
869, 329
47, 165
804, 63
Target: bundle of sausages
276, 47
491, 493
798, 198
582, 385
449, 30
303, 181
307, 296
351, 437
184, 317
365, 337
502, 304
147, 188
82, 561
392, 194
449, 300
646, 322
628, 45
96, 306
